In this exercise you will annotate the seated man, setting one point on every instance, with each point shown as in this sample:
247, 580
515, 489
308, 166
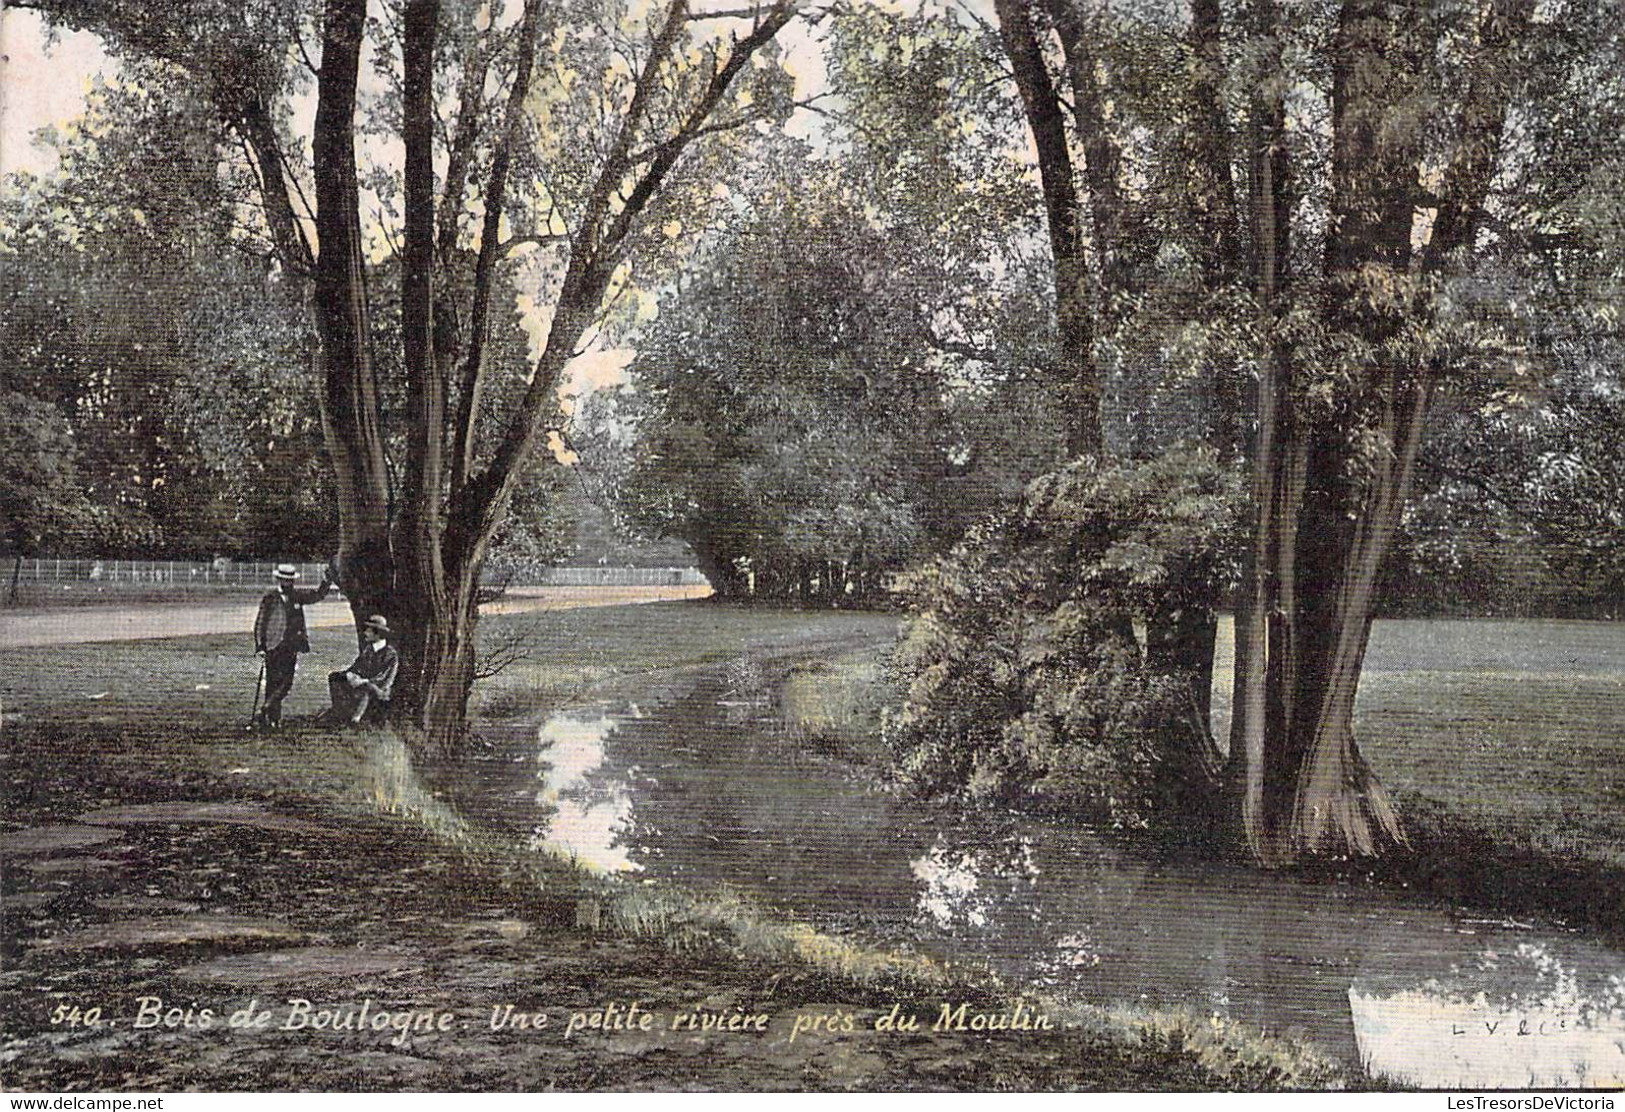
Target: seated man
362, 690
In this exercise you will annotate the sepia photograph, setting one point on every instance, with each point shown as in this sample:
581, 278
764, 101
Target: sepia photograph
880, 546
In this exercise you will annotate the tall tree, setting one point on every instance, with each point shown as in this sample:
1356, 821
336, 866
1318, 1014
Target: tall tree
183, 376
1349, 367
631, 91
787, 426
40, 497
1391, 156
1078, 372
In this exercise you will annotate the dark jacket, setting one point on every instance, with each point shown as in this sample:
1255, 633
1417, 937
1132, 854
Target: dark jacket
378, 668
292, 606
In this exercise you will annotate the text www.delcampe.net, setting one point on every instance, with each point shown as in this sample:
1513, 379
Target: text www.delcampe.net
86, 1104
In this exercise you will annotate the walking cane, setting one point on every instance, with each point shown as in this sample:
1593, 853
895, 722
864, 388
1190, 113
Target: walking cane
259, 685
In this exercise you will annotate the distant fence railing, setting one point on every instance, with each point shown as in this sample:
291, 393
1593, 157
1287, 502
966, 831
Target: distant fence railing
599, 577
254, 574
234, 573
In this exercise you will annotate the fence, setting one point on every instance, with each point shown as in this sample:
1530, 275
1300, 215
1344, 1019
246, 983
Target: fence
597, 577
253, 574
229, 572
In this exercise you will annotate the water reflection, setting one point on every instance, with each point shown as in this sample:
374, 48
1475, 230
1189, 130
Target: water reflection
962, 884
1544, 1014
591, 810
694, 789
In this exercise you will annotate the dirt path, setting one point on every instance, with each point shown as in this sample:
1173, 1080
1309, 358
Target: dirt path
132, 935
134, 623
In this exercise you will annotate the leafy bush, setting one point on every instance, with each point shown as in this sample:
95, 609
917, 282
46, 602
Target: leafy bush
1023, 672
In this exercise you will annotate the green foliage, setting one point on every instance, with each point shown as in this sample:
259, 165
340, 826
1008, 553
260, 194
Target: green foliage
784, 415
196, 424
178, 357
40, 499
1023, 674
1517, 509
540, 526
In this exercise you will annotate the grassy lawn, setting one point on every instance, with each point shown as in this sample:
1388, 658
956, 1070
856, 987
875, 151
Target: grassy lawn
1519, 725
1505, 744
161, 720
566, 651
211, 679
38, 597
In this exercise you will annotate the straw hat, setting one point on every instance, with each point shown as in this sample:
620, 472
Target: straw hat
286, 573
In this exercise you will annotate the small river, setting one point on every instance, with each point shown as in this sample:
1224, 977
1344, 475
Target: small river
698, 781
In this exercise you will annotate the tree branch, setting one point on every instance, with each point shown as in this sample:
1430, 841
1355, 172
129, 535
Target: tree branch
512, 243
694, 126
249, 117
734, 13
476, 64
1101, 155
976, 17
648, 154
496, 187
765, 113
503, 649
616, 165
298, 190
590, 267
957, 347
304, 54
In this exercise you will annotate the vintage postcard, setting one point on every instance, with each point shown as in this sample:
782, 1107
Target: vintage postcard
775, 545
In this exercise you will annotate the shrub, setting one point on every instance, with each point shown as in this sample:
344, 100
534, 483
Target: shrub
1024, 669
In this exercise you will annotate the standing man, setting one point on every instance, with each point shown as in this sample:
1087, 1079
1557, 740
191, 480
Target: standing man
363, 689
279, 636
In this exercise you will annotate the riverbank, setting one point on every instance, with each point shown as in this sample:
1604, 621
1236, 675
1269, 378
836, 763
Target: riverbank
163, 863
1502, 742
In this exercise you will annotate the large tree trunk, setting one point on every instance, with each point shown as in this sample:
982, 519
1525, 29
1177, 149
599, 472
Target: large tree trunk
1339, 804
1077, 377
1321, 530
442, 637
1311, 598
1324, 519
1256, 771
434, 630
350, 423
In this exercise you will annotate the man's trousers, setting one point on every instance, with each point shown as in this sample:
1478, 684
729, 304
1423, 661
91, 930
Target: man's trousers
280, 665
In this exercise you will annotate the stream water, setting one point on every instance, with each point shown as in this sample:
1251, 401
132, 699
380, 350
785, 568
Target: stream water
699, 782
